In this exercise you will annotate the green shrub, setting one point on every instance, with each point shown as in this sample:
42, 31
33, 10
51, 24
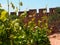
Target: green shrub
15, 32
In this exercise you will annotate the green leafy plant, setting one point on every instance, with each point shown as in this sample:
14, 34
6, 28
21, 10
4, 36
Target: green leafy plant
15, 32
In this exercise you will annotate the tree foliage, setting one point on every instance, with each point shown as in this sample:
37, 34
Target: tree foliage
56, 16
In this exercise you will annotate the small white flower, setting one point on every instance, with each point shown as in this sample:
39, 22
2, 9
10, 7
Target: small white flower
23, 36
20, 28
31, 40
16, 24
28, 26
39, 21
30, 15
36, 26
3, 25
20, 42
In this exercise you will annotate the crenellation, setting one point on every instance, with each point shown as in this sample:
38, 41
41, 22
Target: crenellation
12, 13
52, 10
19, 13
33, 12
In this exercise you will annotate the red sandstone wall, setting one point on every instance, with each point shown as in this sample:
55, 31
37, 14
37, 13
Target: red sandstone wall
32, 13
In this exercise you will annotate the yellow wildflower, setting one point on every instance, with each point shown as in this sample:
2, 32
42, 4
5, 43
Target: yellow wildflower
3, 15
33, 19
39, 21
30, 22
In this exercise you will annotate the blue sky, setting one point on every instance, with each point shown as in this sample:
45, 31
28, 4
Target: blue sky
32, 4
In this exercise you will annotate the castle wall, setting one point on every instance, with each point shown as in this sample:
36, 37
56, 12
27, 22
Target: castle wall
32, 14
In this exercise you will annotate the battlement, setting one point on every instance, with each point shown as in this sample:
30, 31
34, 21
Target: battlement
33, 12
